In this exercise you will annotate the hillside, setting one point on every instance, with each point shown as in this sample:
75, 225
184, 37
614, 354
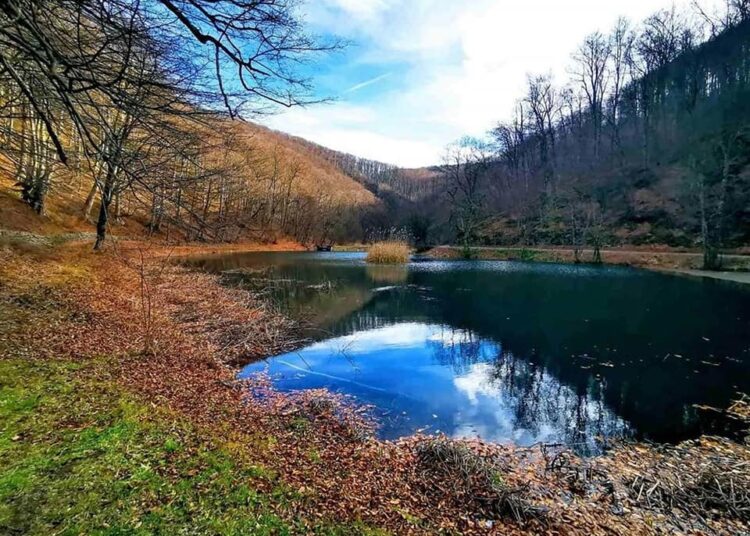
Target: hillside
379, 177
403, 194
634, 183
320, 174
660, 158
274, 175
676, 156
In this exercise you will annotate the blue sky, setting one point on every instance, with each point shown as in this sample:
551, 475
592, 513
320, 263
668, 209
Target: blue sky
422, 73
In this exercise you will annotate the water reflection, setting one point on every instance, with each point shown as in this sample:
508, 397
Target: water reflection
511, 351
430, 378
387, 273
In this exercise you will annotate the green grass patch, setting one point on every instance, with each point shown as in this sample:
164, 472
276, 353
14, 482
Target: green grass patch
80, 456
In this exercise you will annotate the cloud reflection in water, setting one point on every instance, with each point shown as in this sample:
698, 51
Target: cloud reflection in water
433, 377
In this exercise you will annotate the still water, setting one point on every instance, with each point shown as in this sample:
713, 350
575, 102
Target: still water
507, 351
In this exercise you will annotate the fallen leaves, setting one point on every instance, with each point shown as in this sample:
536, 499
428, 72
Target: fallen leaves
321, 444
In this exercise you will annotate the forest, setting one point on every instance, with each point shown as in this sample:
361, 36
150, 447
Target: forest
108, 99
646, 143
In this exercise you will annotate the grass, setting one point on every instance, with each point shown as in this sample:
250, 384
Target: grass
521, 254
80, 456
389, 252
503, 254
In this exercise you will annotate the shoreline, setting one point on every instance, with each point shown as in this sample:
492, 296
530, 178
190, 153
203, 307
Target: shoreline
668, 262
742, 278
318, 446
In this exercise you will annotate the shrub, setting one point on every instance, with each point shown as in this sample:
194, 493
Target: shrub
476, 479
390, 252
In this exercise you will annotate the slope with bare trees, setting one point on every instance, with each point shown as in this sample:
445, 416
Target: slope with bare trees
136, 99
648, 143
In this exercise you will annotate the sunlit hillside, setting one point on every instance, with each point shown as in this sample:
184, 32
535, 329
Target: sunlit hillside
271, 186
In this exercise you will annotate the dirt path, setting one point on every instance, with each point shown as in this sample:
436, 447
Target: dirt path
737, 266
736, 277
15, 238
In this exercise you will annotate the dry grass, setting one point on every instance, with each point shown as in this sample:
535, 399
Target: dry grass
71, 305
390, 252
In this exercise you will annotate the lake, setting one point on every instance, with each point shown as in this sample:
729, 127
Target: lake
508, 351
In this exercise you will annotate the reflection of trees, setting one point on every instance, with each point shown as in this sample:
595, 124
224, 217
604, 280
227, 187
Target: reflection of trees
566, 322
362, 321
384, 308
539, 401
317, 294
391, 274
459, 349
554, 316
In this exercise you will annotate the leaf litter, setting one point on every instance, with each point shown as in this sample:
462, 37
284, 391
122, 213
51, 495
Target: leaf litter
322, 445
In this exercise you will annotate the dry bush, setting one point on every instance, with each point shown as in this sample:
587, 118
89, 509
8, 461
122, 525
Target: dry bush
476, 479
708, 477
713, 491
740, 412
390, 252
697, 482
718, 492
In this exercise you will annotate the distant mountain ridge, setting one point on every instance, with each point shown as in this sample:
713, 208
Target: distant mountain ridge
376, 176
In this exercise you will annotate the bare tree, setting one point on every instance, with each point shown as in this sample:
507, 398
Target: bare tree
716, 166
621, 47
542, 101
591, 60
78, 58
510, 139
733, 12
663, 36
464, 167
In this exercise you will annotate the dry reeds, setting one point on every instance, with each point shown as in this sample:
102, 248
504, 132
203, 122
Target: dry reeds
388, 252
476, 479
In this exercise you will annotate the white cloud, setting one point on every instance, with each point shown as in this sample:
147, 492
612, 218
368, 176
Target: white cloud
367, 83
466, 65
363, 9
353, 129
406, 335
492, 410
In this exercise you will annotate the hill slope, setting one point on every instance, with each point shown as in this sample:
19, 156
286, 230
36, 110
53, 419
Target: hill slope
263, 185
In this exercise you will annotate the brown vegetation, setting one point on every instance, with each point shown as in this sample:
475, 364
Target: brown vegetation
645, 144
276, 190
66, 303
112, 112
651, 257
389, 252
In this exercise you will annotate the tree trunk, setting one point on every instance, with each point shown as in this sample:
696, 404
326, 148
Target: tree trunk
710, 255
89, 202
103, 219
118, 213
